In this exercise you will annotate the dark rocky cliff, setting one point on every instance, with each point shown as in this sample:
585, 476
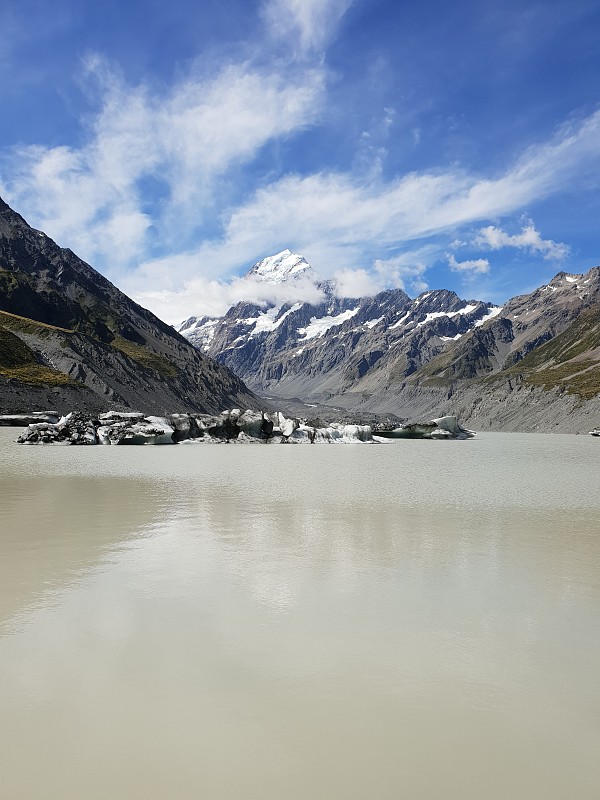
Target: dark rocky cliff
85, 344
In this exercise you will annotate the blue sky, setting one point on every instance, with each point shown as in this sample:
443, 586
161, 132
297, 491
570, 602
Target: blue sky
392, 143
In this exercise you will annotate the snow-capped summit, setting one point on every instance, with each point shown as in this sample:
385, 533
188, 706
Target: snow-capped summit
280, 267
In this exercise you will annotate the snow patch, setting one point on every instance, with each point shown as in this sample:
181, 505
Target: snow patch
278, 268
493, 312
435, 314
267, 322
202, 335
373, 322
400, 321
318, 327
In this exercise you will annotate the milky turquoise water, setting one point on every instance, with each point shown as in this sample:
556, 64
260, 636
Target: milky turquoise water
410, 620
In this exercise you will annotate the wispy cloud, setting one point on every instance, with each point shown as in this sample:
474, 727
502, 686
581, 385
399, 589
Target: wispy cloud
304, 24
185, 142
346, 226
528, 239
155, 195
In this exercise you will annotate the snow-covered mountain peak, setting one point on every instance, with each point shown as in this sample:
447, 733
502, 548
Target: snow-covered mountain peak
281, 267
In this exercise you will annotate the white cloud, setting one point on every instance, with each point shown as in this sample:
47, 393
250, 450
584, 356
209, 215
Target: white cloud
304, 24
529, 239
342, 224
352, 212
476, 266
384, 274
204, 297
355, 283
186, 141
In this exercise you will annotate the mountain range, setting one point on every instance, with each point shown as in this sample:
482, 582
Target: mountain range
531, 364
69, 339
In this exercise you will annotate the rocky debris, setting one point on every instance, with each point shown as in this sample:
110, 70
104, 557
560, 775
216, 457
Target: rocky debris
440, 428
19, 420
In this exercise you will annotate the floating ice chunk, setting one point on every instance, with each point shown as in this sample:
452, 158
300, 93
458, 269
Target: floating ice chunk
449, 424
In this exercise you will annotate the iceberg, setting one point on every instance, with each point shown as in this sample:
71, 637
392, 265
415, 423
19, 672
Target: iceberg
446, 427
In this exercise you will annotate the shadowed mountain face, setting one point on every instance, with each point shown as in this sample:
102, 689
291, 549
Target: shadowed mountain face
70, 338
389, 354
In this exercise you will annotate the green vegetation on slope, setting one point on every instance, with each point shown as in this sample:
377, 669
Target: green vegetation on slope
146, 358
562, 362
25, 325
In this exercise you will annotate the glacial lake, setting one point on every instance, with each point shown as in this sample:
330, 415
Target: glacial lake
415, 620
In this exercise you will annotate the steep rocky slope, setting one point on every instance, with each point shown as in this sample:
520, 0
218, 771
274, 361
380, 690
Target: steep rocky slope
535, 366
70, 339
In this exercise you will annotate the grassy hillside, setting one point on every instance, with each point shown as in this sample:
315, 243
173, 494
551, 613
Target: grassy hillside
570, 361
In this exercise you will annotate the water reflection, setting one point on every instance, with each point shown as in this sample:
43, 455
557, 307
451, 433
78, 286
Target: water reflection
52, 529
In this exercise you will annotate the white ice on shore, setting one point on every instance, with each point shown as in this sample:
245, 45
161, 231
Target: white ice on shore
232, 426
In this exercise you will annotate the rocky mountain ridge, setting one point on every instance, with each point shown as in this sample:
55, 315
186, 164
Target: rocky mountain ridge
438, 353
70, 339
312, 349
